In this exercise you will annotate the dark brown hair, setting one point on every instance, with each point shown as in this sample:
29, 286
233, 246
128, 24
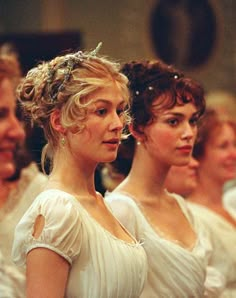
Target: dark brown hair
151, 81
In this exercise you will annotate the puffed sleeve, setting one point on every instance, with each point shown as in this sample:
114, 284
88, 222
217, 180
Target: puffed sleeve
61, 231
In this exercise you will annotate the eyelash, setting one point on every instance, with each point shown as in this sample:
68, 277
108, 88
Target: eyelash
194, 121
120, 111
104, 111
174, 122
3, 114
101, 112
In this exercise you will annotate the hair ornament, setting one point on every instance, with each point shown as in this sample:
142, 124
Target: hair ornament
96, 50
69, 63
50, 75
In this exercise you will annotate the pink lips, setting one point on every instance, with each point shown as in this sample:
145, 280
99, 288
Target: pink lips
112, 143
6, 154
186, 149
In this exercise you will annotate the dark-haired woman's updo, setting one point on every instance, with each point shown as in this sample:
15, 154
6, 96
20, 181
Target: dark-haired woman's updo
151, 81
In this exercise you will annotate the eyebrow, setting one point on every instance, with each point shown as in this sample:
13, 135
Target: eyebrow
180, 114
107, 101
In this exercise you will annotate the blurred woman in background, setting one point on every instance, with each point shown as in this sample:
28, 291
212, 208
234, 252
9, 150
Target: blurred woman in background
19, 177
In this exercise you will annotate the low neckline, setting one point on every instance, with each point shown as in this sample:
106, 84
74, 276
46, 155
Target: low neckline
98, 224
157, 231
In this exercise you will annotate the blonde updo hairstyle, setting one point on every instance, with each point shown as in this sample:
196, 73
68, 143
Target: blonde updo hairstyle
63, 86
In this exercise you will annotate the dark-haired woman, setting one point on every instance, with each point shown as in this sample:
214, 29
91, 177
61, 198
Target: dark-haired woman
165, 109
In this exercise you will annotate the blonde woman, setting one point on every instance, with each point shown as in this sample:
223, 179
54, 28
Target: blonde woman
69, 239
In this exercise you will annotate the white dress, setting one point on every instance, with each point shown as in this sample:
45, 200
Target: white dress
173, 272
101, 264
223, 239
11, 281
31, 183
229, 201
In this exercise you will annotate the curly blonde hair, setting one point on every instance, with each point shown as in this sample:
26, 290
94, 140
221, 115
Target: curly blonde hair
64, 84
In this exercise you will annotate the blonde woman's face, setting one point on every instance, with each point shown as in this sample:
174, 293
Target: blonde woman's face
99, 140
11, 131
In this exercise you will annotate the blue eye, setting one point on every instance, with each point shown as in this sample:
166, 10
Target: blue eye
101, 112
120, 112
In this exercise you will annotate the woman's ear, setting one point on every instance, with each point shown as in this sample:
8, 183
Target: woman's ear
55, 119
137, 134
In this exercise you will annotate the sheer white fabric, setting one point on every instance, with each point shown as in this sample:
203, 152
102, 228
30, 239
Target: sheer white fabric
172, 270
229, 201
11, 281
223, 239
30, 184
101, 264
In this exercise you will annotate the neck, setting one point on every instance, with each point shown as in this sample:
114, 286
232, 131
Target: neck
146, 178
73, 177
208, 191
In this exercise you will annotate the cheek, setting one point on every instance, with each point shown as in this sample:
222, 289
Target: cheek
215, 157
166, 138
3, 130
161, 137
195, 130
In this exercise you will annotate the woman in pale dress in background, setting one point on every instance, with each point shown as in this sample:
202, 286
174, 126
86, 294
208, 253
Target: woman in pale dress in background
215, 150
19, 178
224, 102
69, 240
165, 108
183, 180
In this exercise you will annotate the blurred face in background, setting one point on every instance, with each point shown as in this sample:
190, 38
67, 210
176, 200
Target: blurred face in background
11, 131
219, 159
182, 179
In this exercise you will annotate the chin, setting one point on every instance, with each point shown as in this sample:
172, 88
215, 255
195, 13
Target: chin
108, 158
181, 163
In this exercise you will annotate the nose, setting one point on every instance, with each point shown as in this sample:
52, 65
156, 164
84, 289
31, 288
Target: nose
15, 130
188, 131
117, 122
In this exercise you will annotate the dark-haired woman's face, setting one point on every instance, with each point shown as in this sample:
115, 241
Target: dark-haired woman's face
170, 138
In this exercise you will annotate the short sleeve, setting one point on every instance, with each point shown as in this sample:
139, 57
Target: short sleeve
61, 231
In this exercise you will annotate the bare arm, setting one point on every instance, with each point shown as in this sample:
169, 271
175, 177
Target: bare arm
47, 274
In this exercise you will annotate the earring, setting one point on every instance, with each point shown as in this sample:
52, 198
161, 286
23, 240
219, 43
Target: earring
63, 141
138, 143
